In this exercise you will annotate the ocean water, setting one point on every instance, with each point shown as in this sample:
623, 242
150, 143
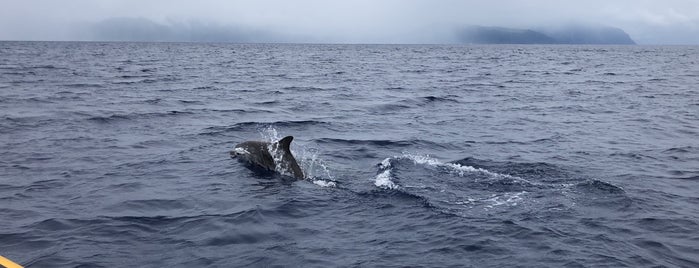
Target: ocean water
117, 154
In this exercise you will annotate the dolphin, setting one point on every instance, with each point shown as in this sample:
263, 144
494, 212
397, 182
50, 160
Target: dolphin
274, 156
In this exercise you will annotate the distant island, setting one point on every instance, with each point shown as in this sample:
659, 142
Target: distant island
572, 34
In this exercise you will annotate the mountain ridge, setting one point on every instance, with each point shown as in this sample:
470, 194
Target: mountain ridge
570, 34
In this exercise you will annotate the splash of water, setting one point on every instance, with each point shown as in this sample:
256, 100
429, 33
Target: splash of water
315, 168
383, 179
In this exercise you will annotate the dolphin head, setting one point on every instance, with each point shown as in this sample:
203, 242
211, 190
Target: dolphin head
240, 150
255, 152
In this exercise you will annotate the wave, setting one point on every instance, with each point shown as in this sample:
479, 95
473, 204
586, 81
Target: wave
267, 103
597, 186
415, 103
47, 66
148, 205
83, 85
190, 102
389, 108
33, 67
134, 116
631, 155
129, 80
556, 138
687, 154
296, 123
379, 143
253, 125
537, 171
432, 99
245, 111
691, 178
683, 149
206, 88
154, 223
306, 89
383, 193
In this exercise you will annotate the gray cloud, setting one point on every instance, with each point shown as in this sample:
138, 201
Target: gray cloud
355, 21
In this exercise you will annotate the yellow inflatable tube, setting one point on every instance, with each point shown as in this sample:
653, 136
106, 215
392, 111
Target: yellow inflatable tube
8, 263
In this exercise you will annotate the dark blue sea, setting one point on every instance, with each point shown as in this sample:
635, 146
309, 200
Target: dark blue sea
117, 155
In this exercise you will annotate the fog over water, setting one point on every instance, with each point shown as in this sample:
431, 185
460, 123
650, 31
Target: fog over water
362, 21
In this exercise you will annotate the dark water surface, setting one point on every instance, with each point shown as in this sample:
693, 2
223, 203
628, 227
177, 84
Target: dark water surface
116, 154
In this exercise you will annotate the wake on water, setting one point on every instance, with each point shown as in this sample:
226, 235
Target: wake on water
452, 186
457, 188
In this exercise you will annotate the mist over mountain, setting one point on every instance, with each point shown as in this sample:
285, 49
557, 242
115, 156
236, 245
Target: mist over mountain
142, 29
568, 34
588, 34
502, 35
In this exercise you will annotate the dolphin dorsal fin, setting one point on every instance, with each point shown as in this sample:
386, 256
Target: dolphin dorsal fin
285, 142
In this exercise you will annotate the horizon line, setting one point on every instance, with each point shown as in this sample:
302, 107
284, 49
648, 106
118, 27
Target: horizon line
341, 43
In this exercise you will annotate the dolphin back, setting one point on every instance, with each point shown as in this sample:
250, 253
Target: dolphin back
288, 160
285, 143
256, 152
274, 156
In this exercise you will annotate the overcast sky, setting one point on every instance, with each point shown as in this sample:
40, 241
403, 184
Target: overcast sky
355, 21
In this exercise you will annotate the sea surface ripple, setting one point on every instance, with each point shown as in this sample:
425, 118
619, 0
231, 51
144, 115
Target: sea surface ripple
116, 154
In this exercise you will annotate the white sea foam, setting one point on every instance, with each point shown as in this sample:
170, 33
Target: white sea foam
509, 199
494, 200
324, 183
386, 163
383, 179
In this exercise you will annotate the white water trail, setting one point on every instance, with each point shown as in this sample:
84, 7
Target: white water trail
385, 179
